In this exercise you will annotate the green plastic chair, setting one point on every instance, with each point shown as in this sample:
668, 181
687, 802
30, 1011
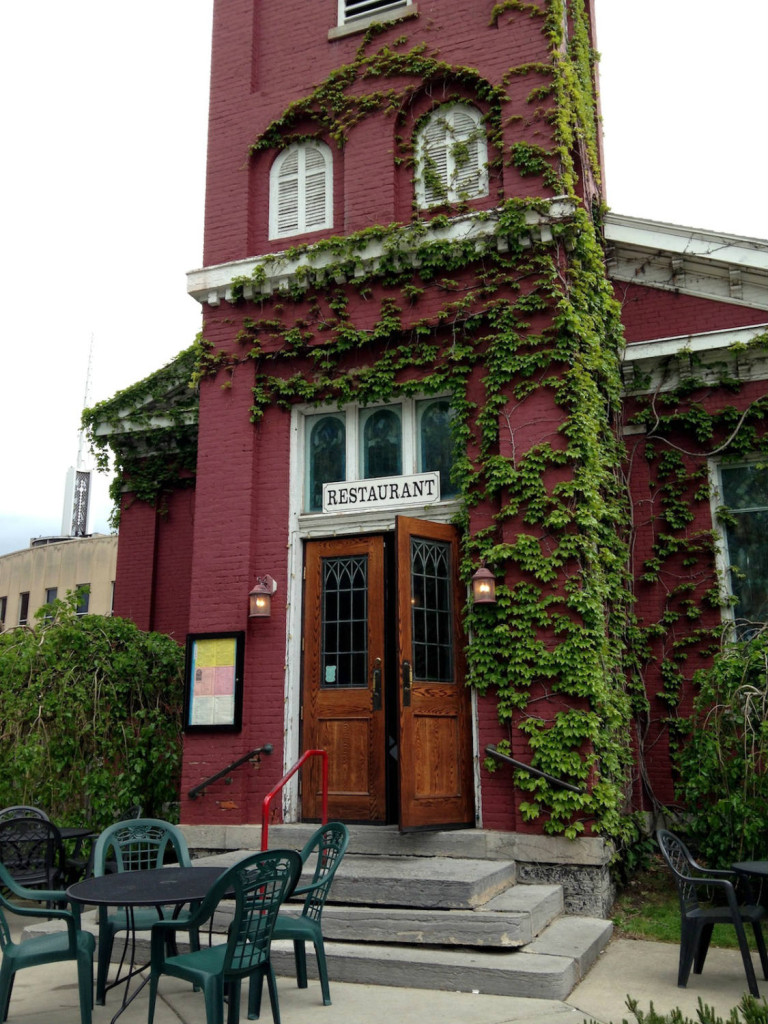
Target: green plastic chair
134, 845
258, 884
73, 944
328, 844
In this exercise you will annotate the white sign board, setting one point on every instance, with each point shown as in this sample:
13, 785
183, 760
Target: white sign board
381, 492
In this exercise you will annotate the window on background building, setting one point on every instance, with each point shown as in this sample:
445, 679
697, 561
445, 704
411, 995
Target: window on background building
3, 611
744, 522
301, 190
349, 10
23, 608
451, 156
411, 436
51, 594
83, 598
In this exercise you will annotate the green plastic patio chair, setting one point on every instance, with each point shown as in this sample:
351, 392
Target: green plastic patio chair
73, 944
134, 845
328, 844
258, 884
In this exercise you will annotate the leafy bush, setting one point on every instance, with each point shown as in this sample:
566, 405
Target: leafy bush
90, 716
723, 780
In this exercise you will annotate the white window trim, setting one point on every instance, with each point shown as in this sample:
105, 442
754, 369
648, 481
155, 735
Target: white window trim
452, 194
274, 185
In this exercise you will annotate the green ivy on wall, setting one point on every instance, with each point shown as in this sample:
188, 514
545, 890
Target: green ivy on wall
565, 573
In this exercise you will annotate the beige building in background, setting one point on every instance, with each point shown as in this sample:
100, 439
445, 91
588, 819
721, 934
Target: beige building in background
51, 567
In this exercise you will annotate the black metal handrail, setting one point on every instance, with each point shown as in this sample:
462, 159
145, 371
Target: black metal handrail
560, 783
201, 788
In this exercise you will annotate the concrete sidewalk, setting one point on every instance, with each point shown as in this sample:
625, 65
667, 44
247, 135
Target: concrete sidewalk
646, 970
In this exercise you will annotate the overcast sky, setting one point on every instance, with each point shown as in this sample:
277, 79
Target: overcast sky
104, 110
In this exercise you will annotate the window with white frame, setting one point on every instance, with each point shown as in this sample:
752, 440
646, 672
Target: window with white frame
743, 517
301, 190
350, 10
451, 156
362, 443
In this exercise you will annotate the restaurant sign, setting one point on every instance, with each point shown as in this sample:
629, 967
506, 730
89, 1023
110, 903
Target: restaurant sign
381, 492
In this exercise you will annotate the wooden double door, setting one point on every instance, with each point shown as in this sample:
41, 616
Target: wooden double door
383, 679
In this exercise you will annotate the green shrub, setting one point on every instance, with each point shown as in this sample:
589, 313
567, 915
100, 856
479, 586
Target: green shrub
749, 1011
90, 716
722, 766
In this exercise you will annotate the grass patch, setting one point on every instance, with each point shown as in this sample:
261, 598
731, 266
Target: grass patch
648, 908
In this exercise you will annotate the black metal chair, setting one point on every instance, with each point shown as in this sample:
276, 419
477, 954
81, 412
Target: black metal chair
696, 886
21, 811
33, 852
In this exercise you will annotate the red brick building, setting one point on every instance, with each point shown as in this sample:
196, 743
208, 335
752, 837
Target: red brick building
412, 364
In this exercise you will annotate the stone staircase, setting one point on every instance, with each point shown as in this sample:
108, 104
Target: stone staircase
439, 910
434, 916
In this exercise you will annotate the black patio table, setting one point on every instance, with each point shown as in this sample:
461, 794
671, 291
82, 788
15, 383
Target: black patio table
157, 887
750, 870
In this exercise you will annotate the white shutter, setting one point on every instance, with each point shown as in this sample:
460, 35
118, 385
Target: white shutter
301, 193
315, 190
466, 176
288, 195
453, 157
435, 163
365, 8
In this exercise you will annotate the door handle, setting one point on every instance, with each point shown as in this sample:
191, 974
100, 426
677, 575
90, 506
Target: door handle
376, 705
407, 678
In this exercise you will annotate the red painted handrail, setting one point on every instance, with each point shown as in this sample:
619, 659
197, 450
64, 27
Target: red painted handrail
292, 771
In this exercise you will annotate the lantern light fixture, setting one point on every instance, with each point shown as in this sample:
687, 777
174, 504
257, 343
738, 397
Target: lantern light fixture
483, 586
260, 598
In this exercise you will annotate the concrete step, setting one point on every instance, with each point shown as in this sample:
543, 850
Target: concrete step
447, 883
547, 969
511, 920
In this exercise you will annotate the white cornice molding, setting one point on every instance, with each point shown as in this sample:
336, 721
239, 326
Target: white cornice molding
669, 257
661, 363
214, 285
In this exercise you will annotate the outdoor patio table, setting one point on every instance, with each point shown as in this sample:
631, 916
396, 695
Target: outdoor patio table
753, 869
159, 887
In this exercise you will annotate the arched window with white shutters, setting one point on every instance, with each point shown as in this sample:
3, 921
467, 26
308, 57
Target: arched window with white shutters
451, 156
301, 190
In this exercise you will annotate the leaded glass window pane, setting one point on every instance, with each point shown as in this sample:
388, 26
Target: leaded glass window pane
344, 661
431, 611
745, 494
327, 455
382, 443
436, 448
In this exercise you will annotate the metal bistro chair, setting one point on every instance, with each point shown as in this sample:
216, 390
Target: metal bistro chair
696, 921
33, 852
71, 944
21, 811
259, 883
329, 844
137, 844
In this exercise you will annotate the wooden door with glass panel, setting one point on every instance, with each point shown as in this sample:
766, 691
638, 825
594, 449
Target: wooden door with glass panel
435, 780
343, 699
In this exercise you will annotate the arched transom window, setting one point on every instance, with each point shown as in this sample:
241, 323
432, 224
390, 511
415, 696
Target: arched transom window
451, 156
301, 190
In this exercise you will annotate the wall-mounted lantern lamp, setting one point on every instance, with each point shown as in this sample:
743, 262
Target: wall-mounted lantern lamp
260, 598
483, 586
